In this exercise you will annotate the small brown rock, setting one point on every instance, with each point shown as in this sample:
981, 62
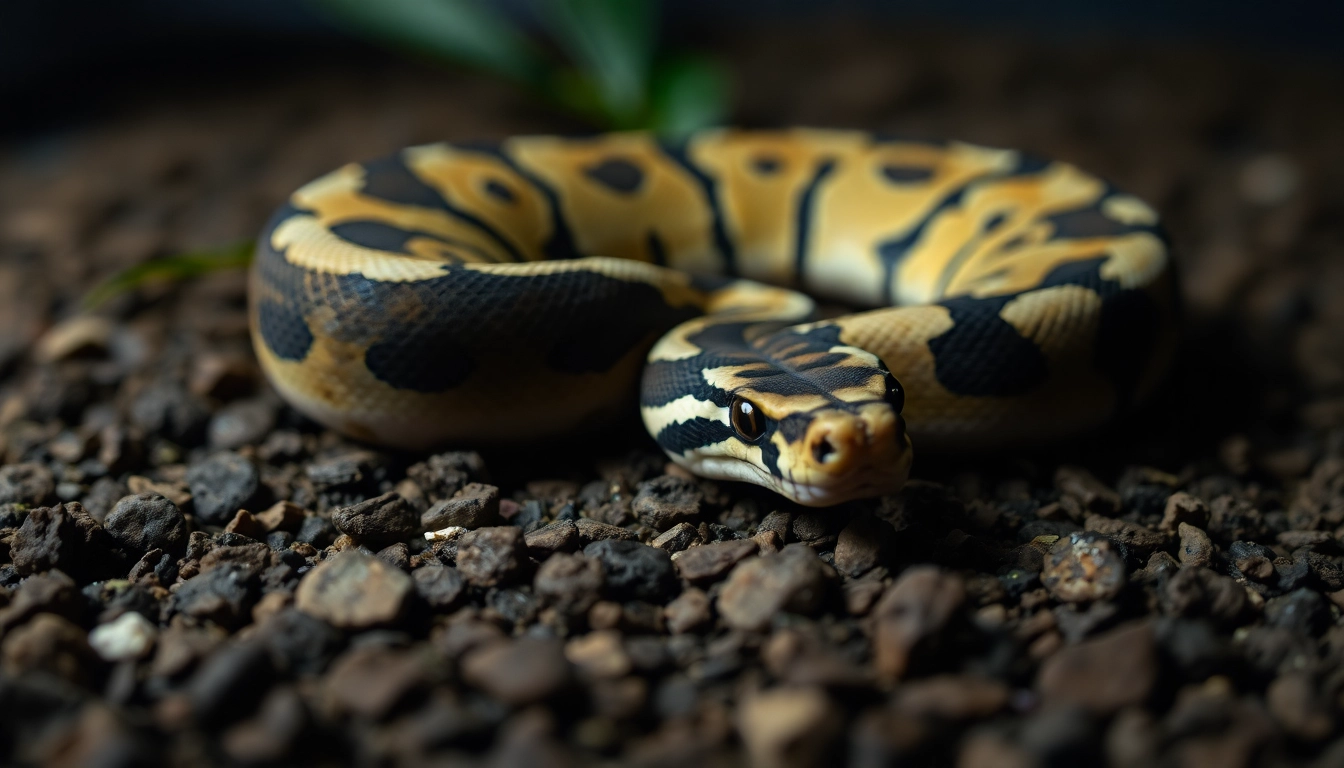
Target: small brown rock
708, 563
768, 542
1256, 567
560, 536
51, 644
354, 591
665, 501
599, 655
281, 516
371, 681
377, 522
489, 557
761, 587
789, 727
244, 524
1196, 548
951, 697
862, 545
1082, 567
688, 612
677, 538
518, 672
591, 530
1183, 508
1138, 538
1201, 593
1102, 674
475, 506
570, 582
1082, 485
912, 612
1295, 703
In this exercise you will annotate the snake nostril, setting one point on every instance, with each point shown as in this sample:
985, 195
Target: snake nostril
823, 450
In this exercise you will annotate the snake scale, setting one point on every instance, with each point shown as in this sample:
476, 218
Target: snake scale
529, 288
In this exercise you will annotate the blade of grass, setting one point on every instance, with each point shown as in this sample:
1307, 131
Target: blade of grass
172, 268
468, 32
612, 42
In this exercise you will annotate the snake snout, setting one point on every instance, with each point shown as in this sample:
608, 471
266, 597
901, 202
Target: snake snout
834, 443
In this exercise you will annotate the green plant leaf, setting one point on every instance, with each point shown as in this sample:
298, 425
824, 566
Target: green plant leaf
466, 31
689, 93
172, 268
613, 43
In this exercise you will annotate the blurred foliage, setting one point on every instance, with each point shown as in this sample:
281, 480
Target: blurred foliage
172, 269
597, 59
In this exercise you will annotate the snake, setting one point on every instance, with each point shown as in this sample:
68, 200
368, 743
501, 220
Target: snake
793, 308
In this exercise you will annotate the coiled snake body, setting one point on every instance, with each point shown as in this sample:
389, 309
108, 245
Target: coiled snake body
527, 289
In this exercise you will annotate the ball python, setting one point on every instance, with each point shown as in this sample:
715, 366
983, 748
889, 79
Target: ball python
531, 288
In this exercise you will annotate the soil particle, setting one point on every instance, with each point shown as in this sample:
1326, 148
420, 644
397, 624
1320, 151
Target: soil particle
710, 562
634, 571
229, 684
1181, 507
476, 505
281, 516
377, 522
951, 698
599, 655
911, 614
440, 586
1196, 548
1303, 611
1200, 593
271, 735
354, 591
221, 485
862, 545
1103, 674
1091, 493
443, 475
147, 521
689, 611
50, 644
1296, 704
665, 501
66, 537
677, 538
489, 557
560, 536
1139, 541
1084, 566
792, 580
370, 682
223, 595
789, 727
51, 592
29, 484
592, 530
572, 583
518, 672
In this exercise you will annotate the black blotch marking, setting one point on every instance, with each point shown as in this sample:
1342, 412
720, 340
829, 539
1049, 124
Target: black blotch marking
1127, 331
1029, 165
803, 216
683, 436
794, 426
430, 335
887, 137
678, 154
424, 362
994, 222
390, 179
1089, 222
894, 251
379, 235
500, 191
766, 165
285, 331
617, 174
906, 174
982, 354
657, 251
561, 243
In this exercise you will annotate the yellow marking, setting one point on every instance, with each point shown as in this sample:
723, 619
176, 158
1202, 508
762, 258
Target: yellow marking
1130, 210
684, 408
668, 203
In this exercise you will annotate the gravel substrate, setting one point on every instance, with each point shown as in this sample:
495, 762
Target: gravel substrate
194, 574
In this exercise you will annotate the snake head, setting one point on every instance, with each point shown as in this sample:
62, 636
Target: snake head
797, 411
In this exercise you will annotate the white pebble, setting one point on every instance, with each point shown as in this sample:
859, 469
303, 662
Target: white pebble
127, 637
445, 534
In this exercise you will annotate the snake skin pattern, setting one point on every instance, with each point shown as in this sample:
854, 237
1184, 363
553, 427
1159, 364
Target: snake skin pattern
531, 288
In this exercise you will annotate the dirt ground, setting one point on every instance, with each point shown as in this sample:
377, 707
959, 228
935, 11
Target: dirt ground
1168, 592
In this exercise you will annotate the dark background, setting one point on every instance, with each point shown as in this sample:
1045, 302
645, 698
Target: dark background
69, 59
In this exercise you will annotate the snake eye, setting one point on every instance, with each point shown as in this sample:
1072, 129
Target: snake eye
895, 395
747, 419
